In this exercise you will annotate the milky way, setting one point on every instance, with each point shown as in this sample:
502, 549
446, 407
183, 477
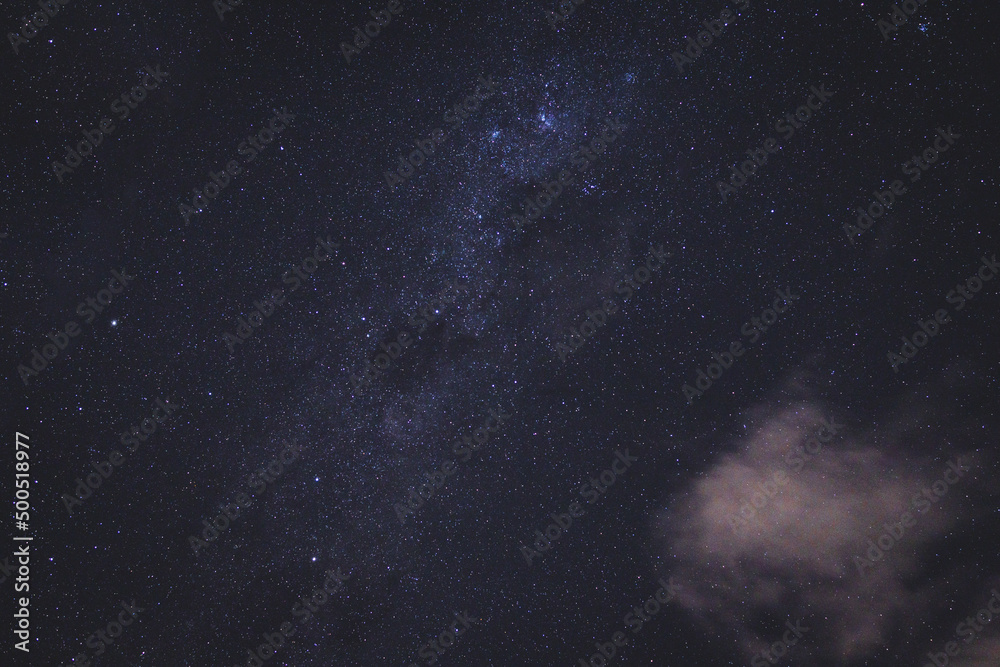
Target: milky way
505, 275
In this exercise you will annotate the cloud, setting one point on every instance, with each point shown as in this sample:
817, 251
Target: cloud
796, 557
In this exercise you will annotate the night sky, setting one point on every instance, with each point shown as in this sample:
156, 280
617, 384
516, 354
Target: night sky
501, 336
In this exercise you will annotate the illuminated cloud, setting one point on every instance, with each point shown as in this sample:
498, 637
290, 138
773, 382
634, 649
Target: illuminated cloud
796, 557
